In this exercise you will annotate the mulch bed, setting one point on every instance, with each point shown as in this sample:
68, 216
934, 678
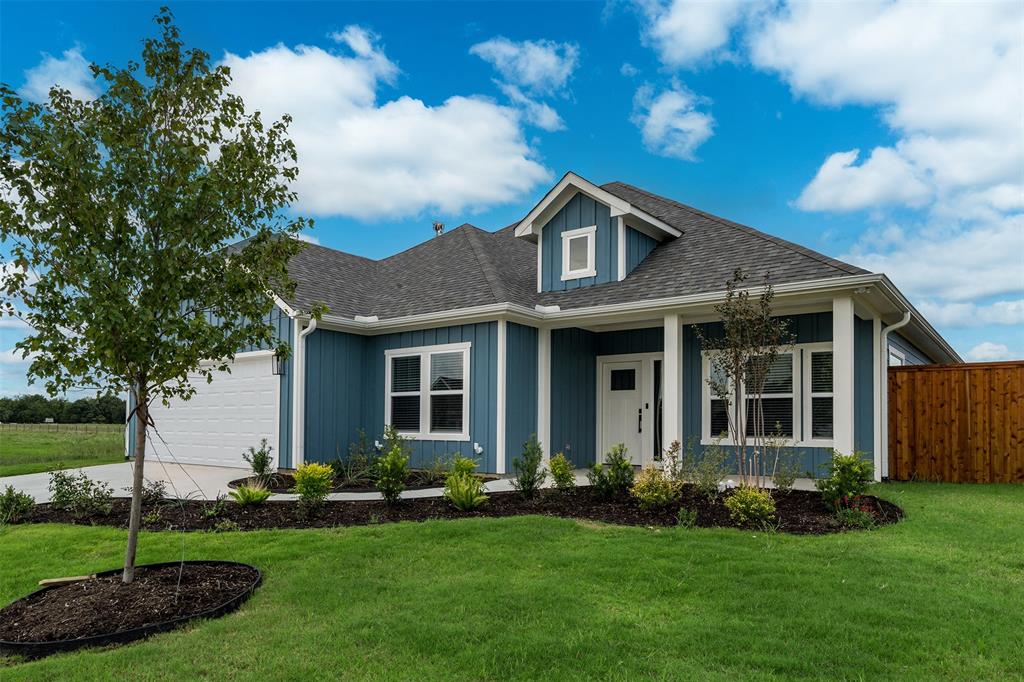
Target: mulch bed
800, 512
104, 608
283, 483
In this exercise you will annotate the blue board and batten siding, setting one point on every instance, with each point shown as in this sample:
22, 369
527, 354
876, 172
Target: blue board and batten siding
580, 211
345, 391
638, 245
573, 403
912, 354
520, 389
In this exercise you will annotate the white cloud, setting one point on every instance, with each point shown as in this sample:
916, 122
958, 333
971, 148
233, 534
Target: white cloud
1009, 312
537, 66
536, 113
13, 356
308, 238
70, 71
883, 178
685, 32
669, 122
628, 70
986, 351
368, 160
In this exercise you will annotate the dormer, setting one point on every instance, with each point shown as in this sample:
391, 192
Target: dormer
586, 235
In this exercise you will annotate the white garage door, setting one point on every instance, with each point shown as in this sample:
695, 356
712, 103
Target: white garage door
224, 417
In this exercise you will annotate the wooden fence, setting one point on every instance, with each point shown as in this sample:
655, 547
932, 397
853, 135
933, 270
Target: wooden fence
958, 423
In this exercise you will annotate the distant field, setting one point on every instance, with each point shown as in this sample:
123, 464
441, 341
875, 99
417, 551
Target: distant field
30, 448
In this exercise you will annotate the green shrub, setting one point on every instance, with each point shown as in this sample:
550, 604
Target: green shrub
848, 478
529, 471
260, 461
225, 526
465, 491
653, 489
253, 494
787, 470
433, 473
751, 506
686, 518
461, 465
153, 492
708, 470
562, 472
614, 478
14, 505
151, 517
80, 495
392, 470
855, 517
312, 484
359, 468
214, 509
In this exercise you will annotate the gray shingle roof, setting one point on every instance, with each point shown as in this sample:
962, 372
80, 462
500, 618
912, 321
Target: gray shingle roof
469, 267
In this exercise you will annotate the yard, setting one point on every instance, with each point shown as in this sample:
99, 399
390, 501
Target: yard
936, 595
30, 448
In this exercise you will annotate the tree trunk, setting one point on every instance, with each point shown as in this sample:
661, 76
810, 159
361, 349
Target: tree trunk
135, 519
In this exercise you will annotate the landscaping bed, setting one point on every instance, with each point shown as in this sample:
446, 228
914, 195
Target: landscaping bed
102, 610
285, 483
799, 512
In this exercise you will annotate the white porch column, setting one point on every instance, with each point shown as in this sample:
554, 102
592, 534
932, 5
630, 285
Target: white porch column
842, 374
880, 420
544, 390
672, 370
499, 447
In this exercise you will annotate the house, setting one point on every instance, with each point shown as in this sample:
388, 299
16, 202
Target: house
577, 324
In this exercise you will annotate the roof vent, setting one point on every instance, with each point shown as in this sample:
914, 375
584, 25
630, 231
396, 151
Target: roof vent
438, 229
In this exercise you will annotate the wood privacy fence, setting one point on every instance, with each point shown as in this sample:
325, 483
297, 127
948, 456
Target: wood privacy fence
958, 423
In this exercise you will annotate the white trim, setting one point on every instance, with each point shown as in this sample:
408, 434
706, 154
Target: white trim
806, 349
876, 395
672, 386
288, 310
895, 353
621, 228
425, 392
883, 382
590, 234
299, 391
499, 448
544, 390
540, 265
842, 374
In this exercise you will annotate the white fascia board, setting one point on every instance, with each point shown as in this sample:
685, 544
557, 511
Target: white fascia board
288, 310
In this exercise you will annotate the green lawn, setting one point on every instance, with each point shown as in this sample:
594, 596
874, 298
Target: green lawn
46, 448
939, 595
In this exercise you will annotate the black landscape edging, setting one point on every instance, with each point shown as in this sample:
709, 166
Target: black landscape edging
32, 650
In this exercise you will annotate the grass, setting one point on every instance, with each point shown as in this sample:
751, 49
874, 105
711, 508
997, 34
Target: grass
47, 447
936, 596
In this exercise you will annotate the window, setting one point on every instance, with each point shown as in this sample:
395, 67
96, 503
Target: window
774, 413
578, 253
428, 391
896, 358
623, 380
820, 394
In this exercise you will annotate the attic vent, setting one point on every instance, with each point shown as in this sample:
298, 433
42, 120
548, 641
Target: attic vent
438, 229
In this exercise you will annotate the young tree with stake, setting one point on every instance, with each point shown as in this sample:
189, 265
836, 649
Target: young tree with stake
146, 230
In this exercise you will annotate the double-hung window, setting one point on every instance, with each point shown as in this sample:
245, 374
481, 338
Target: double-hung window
818, 392
428, 391
770, 411
579, 255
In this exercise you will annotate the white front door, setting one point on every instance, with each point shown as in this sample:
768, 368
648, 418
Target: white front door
622, 408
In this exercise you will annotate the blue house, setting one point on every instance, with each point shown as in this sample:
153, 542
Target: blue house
579, 324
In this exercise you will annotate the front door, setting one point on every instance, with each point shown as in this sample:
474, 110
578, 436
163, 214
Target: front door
622, 408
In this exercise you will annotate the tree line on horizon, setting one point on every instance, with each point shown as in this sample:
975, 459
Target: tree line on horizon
36, 409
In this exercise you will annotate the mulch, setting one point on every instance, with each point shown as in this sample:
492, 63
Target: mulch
799, 512
105, 606
284, 483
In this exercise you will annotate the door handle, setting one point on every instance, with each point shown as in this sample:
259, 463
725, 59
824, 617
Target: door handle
640, 420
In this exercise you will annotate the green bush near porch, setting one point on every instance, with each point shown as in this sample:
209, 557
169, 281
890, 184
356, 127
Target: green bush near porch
935, 596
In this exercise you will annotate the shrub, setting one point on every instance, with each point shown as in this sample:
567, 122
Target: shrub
614, 478
359, 468
686, 518
433, 473
14, 505
530, 472
153, 492
215, 509
151, 517
751, 506
312, 483
225, 526
709, 469
79, 494
461, 465
848, 477
562, 472
787, 470
392, 470
260, 461
855, 517
653, 489
464, 491
253, 494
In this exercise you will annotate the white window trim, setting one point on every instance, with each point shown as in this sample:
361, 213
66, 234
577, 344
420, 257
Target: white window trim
806, 350
801, 407
424, 392
590, 233
898, 354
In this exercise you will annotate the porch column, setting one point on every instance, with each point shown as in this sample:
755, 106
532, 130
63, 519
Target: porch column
672, 390
544, 390
842, 374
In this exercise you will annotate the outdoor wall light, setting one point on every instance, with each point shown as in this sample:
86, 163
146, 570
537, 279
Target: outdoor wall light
276, 364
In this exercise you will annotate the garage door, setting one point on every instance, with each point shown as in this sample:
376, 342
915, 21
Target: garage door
224, 417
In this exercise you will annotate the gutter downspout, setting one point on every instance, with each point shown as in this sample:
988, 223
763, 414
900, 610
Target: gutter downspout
883, 384
299, 393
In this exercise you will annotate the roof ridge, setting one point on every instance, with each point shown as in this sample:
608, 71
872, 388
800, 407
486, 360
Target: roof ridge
494, 283
426, 241
754, 232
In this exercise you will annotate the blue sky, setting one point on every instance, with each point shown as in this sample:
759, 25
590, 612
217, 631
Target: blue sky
823, 124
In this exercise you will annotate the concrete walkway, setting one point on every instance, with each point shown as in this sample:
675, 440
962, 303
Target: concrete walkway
198, 482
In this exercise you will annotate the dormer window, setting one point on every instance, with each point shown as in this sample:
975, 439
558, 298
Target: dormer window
578, 253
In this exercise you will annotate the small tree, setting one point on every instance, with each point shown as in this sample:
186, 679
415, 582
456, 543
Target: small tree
124, 210
741, 361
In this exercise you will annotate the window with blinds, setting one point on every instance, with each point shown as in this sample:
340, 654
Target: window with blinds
773, 413
428, 395
821, 394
